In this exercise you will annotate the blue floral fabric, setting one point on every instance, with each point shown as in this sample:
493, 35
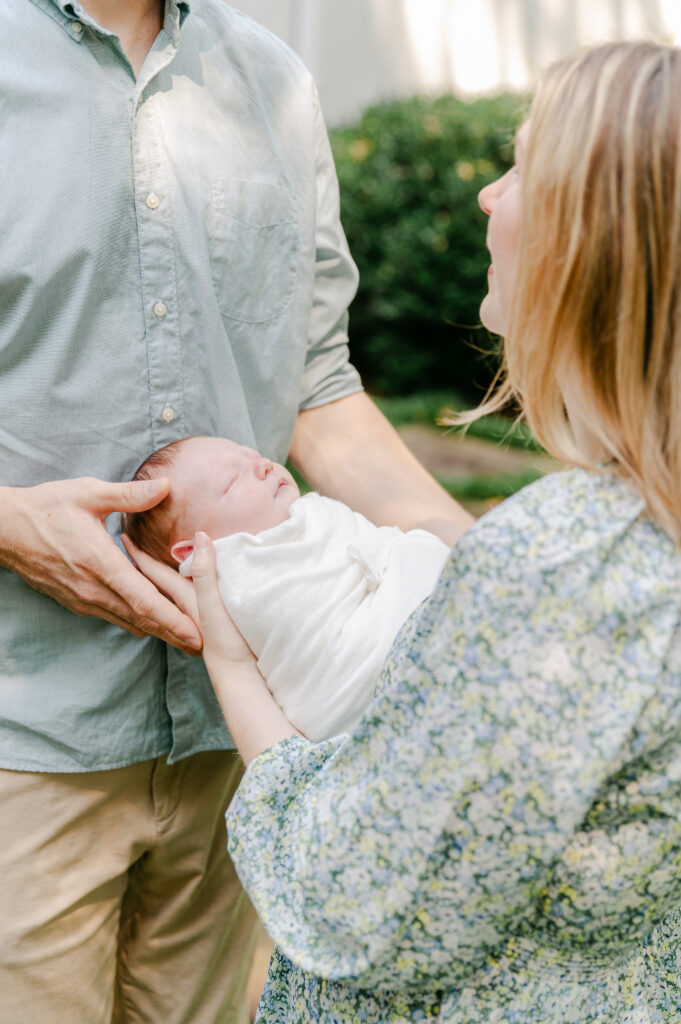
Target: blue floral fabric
500, 838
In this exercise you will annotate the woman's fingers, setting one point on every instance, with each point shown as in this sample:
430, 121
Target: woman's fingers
204, 573
221, 639
167, 580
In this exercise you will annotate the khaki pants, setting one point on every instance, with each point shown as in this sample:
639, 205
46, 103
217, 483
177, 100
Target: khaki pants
118, 901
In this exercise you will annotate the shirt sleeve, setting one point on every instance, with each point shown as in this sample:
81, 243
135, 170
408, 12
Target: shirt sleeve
406, 852
328, 373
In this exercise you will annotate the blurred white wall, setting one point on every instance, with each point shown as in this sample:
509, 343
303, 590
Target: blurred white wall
361, 51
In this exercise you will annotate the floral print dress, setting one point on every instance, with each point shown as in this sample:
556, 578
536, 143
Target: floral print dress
500, 838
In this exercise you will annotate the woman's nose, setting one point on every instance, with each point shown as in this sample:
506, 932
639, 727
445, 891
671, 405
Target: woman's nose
488, 195
263, 467
486, 198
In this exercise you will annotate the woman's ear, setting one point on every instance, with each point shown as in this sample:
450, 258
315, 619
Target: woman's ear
181, 550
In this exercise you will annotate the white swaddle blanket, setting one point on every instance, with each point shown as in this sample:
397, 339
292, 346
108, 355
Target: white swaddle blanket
319, 600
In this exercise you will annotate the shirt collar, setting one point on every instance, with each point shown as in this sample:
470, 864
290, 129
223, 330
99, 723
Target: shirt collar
73, 16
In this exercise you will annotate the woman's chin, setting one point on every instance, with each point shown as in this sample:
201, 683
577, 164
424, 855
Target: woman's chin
489, 315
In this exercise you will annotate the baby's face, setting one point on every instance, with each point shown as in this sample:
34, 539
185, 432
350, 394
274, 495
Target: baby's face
223, 488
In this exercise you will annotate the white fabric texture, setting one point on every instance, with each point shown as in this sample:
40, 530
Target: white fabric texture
320, 599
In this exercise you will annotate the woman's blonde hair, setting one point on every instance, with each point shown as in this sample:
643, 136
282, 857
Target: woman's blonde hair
596, 309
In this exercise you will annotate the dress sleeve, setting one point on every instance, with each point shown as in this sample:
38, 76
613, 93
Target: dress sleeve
328, 374
405, 852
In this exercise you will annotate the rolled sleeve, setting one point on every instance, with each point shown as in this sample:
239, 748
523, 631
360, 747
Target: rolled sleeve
328, 373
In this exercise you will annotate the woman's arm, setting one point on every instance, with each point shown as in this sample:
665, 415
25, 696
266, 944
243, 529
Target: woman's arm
253, 717
405, 853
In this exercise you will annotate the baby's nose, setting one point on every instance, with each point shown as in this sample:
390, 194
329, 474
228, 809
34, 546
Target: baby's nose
263, 467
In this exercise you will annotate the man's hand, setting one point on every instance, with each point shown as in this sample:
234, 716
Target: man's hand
53, 536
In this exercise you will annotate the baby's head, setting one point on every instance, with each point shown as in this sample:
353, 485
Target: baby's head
216, 486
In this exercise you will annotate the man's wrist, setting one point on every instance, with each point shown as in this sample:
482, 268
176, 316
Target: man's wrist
11, 504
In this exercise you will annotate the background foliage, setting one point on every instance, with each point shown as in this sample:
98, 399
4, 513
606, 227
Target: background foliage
410, 172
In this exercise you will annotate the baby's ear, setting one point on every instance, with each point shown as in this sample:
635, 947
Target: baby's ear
181, 550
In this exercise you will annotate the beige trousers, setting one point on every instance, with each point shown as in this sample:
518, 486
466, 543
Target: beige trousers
118, 901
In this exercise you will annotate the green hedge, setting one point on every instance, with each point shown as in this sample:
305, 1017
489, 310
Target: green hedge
410, 172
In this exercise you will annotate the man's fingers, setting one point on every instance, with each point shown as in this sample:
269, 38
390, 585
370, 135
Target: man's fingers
156, 615
121, 623
149, 610
133, 496
143, 612
63, 551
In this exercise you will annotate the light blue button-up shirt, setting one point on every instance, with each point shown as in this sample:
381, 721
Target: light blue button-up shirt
172, 263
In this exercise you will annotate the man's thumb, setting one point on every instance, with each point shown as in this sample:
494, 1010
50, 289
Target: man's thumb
137, 495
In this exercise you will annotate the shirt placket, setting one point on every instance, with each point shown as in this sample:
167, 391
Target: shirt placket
153, 212
160, 304
162, 317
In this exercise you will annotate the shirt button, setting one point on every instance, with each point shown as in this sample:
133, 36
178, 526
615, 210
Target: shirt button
152, 201
77, 27
160, 309
168, 414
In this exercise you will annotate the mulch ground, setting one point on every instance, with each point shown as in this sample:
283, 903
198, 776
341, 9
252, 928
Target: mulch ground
447, 454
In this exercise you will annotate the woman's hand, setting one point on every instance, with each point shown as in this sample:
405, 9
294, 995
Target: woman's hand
253, 717
223, 644
199, 598
178, 589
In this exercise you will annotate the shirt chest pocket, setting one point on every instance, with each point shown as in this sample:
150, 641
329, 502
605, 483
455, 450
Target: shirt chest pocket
254, 249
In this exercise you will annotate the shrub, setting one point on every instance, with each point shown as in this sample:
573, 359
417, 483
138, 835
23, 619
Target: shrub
410, 172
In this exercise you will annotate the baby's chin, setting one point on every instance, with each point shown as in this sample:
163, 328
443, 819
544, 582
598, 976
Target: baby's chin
293, 487
282, 512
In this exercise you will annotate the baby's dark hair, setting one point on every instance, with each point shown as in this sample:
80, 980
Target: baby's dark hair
153, 531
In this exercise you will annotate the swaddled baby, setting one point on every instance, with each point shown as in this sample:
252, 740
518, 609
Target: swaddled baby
318, 592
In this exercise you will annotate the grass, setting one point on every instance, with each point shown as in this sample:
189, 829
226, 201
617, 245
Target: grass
494, 487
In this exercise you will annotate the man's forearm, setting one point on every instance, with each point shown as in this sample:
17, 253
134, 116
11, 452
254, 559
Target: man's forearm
8, 515
348, 450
